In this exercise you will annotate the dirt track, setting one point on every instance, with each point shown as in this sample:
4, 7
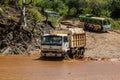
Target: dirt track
103, 45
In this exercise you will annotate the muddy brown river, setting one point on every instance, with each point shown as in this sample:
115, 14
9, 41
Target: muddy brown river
19, 67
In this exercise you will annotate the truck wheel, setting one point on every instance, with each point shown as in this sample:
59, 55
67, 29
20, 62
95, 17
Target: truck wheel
76, 55
99, 29
66, 56
82, 50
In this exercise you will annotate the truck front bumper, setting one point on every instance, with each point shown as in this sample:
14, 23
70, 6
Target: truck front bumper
52, 54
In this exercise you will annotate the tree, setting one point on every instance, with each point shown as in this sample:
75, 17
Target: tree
22, 18
97, 6
73, 6
34, 17
115, 8
72, 11
43, 4
5, 2
59, 6
87, 10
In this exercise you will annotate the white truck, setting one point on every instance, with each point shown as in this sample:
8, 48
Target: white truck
68, 43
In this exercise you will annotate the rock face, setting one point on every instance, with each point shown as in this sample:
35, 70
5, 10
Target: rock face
16, 40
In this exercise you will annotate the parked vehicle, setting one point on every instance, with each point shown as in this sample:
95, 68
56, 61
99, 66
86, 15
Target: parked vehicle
52, 16
95, 23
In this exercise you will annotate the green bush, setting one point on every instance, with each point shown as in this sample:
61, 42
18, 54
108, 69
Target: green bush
87, 11
73, 11
115, 24
5, 2
12, 18
34, 14
19, 2
62, 10
105, 13
54, 20
1, 11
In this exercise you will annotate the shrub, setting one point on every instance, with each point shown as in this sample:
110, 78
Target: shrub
87, 11
73, 11
1, 11
34, 14
115, 24
54, 20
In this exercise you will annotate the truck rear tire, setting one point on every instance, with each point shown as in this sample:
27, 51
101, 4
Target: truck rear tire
82, 51
76, 55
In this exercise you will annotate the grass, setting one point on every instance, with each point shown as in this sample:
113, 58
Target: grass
115, 24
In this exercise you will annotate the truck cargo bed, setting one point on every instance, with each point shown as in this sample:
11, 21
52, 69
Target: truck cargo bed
78, 40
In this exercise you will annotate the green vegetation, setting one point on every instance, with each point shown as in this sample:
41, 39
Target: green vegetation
74, 8
115, 24
34, 15
1, 11
54, 20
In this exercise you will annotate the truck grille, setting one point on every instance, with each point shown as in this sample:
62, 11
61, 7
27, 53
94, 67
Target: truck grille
51, 52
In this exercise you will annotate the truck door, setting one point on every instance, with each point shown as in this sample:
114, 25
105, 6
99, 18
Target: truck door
65, 43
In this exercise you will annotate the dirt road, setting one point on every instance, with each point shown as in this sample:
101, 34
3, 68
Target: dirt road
103, 45
32, 68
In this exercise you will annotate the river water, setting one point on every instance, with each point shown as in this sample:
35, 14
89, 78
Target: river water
19, 67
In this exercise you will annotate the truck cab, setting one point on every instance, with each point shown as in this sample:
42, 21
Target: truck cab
54, 45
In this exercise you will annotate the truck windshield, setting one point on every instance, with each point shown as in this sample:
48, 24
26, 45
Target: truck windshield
51, 40
106, 22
